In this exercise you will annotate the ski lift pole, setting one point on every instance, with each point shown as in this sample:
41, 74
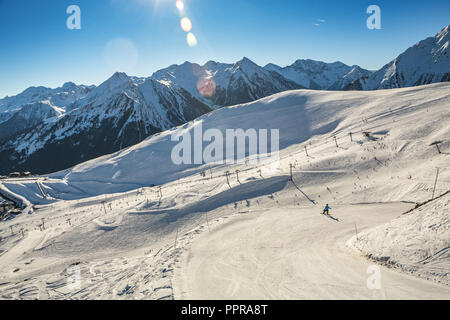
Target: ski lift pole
435, 183
104, 207
207, 220
176, 238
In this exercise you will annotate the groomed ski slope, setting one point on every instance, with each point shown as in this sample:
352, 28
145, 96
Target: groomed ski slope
294, 253
132, 241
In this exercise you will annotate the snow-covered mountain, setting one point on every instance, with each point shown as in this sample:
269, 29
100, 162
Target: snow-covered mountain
46, 130
221, 84
320, 75
36, 104
28, 116
41, 124
262, 231
120, 112
426, 62
302, 116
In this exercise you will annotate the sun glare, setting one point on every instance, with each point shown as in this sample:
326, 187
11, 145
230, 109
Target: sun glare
180, 5
186, 24
191, 39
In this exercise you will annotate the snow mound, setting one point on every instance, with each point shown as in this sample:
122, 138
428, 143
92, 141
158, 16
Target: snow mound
417, 242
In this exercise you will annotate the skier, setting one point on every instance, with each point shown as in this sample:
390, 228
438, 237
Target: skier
327, 208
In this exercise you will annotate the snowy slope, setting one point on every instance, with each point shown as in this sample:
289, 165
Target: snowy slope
417, 242
286, 252
129, 239
300, 116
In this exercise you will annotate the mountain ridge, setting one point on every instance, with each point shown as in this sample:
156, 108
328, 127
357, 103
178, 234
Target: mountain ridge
426, 62
42, 123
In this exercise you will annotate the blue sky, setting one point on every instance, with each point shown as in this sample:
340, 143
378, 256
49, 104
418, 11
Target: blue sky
38, 49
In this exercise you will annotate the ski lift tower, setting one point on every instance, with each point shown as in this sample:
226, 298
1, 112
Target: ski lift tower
437, 143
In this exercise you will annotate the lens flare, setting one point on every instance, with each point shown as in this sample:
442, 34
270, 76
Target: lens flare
180, 5
191, 39
121, 54
186, 24
206, 87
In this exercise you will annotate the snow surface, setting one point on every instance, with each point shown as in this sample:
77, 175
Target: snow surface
134, 241
418, 242
292, 252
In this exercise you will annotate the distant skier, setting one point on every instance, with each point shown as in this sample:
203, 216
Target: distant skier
327, 208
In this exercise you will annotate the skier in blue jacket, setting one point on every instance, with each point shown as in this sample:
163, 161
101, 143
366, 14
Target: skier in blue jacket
327, 208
